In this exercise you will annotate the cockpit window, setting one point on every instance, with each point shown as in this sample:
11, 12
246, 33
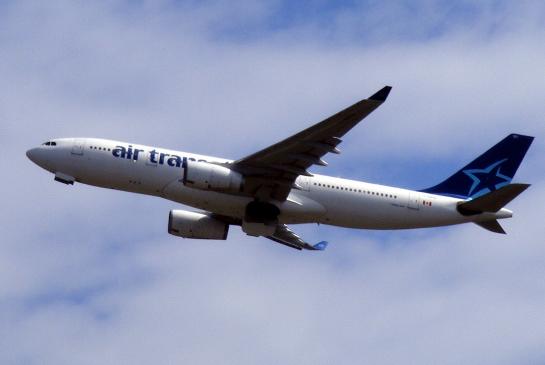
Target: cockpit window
49, 143
53, 143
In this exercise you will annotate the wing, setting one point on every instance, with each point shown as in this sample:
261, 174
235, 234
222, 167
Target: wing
286, 237
271, 173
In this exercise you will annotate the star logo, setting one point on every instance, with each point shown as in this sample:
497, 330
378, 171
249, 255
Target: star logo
487, 179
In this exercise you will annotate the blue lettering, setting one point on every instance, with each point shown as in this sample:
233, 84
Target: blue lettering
119, 151
135, 155
152, 156
162, 157
174, 161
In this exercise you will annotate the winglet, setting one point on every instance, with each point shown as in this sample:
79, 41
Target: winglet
382, 94
320, 246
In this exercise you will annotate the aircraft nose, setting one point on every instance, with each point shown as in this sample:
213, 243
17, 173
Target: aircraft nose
31, 154
37, 156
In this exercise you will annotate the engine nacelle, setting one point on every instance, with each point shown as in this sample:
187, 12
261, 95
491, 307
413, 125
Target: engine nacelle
186, 224
206, 176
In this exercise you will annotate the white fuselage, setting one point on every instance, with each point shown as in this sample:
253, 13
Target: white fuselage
321, 199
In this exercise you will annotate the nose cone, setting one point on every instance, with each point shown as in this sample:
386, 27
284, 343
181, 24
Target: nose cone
31, 154
37, 155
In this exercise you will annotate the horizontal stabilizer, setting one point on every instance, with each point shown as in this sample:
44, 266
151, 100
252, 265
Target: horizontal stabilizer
492, 202
492, 226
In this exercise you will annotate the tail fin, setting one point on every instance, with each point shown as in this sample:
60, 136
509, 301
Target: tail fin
488, 172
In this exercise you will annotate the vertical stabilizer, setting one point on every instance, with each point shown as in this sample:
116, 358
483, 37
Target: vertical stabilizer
492, 170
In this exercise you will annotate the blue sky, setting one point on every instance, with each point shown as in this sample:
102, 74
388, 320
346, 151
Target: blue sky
91, 276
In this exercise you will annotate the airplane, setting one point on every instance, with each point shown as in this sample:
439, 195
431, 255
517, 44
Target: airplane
268, 190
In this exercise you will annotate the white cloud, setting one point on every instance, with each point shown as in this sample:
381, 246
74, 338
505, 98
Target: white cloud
90, 276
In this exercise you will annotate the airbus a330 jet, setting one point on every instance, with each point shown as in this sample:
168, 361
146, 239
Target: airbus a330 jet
271, 189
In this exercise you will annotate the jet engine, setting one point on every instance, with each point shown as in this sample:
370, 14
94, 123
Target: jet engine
186, 224
206, 176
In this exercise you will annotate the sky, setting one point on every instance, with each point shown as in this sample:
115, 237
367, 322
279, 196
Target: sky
89, 275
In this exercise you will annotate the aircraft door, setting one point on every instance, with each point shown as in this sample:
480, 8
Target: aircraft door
77, 147
414, 201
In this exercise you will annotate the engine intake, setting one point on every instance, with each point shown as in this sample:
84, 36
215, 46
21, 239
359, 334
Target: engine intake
206, 176
186, 224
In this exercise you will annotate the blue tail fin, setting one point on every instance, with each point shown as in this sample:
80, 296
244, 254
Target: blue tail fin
488, 172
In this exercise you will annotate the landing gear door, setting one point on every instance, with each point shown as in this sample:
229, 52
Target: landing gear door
77, 147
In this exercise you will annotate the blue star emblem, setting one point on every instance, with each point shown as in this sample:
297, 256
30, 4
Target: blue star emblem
487, 179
